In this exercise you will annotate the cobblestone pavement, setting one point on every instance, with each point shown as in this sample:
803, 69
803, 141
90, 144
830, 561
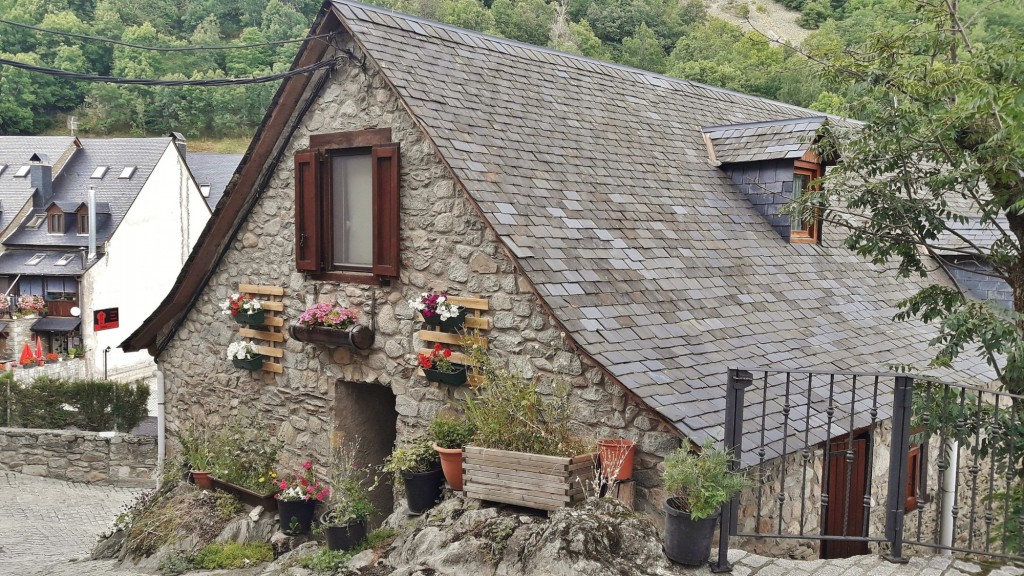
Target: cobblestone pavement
43, 521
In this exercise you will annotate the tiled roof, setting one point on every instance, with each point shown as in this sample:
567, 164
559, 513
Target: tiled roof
14, 262
114, 195
213, 170
596, 177
15, 152
770, 140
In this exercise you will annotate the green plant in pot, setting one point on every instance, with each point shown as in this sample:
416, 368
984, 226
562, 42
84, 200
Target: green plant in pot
698, 484
450, 435
197, 450
419, 466
349, 509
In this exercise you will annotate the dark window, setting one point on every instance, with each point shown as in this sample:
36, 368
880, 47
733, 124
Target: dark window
347, 205
916, 476
83, 222
56, 223
805, 224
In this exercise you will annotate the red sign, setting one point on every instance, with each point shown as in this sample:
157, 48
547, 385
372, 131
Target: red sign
104, 319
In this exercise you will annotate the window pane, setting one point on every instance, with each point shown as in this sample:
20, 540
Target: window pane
797, 220
352, 206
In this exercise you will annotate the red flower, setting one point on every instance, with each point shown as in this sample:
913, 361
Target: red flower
437, 347
447, 352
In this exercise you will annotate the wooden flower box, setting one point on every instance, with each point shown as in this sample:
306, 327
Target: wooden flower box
245, 495
530, 480
359, 337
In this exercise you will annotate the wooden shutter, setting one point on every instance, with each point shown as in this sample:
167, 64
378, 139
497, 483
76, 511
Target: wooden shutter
386, 234
307, 213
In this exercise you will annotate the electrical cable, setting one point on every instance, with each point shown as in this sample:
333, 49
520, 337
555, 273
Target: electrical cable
159, 48
151, 82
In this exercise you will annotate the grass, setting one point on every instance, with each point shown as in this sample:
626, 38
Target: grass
233, 555
328, 561
178, 514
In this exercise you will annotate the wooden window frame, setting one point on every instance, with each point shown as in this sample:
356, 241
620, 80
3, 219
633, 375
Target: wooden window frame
83, 222
917, 474
811, 234
313, 205
55, 217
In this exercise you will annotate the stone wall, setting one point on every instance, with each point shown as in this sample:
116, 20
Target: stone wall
67, 369
445, 245
91, 457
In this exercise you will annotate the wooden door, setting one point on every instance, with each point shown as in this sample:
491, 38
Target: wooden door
846, 498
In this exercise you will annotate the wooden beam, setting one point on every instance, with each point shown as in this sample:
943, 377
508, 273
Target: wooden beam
262, 290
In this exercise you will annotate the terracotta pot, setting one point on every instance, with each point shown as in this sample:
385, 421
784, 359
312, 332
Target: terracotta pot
202, 479
617, 458
451, 463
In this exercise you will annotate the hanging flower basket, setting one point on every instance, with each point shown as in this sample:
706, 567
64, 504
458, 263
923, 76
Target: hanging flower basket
449, 325
250, 364
257, 318
457, 378
356, 336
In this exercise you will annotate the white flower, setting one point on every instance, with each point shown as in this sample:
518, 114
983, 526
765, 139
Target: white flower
241, 350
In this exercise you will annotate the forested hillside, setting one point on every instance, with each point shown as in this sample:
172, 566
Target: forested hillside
675, 37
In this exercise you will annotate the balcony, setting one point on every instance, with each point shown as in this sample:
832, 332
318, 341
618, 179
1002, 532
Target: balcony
60, 307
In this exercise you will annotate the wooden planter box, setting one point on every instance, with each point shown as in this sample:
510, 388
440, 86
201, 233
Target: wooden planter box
245, 495
358, 336
530, 480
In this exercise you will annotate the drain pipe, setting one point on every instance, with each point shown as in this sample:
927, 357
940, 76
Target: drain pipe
952, 448
161, 438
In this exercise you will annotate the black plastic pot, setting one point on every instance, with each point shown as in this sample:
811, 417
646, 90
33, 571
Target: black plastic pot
687, 541
299, 510
449, 325
344, 536
250, 364
257, 318
423, 489
457, 378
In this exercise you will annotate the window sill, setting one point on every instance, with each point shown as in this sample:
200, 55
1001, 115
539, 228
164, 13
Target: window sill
802, 240
352, 277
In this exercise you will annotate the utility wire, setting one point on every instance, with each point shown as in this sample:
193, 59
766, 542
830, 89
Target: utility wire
151, 82
159, 48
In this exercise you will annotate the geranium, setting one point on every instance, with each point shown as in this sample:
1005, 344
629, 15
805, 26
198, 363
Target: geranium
438, 359
330, 316
431, 304
27, 303
300, 484
242, 350
243, 303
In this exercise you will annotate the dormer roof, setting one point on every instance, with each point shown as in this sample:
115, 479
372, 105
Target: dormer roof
788, 138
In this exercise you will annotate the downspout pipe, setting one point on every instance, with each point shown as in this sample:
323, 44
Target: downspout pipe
948, 490
161, 425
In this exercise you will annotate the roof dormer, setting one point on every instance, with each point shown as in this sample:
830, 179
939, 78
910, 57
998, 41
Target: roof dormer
772, 164
55, 220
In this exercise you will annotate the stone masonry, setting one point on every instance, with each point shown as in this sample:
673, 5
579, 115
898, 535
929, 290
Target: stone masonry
445, 245
91, 457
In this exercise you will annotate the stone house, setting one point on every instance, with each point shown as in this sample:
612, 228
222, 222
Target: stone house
93, 226
623, 228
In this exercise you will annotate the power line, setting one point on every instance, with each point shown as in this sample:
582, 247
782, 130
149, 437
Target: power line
150, 82
159, 48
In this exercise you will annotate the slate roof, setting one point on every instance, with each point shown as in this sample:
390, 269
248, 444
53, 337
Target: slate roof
114, 195
596, 177
13, 262
213, 170
15, 152
770, 140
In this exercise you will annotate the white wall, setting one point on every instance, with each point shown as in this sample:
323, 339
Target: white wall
142, 260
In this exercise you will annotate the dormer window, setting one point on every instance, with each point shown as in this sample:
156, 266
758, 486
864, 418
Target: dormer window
55, 223
99, 172
805, 224
83, 222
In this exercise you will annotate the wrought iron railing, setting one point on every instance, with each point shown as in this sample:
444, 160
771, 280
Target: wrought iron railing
840, 461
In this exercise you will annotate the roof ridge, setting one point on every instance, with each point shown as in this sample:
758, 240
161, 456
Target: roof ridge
683, 82
766, 123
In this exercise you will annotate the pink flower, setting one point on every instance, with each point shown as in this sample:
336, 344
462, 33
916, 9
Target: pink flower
283, 485
307, 465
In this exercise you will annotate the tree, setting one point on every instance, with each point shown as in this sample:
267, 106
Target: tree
943, 147
524, 20
643, 50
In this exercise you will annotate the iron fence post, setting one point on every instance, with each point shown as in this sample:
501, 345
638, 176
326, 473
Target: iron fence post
898, 466
736, 385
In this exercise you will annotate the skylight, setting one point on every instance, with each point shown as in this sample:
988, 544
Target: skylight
99, 172
127, 172
36, 221
35, 260
205, 190
65, 259
2, 168
22, 172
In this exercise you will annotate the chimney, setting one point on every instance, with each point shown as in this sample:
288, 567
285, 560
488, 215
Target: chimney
179, 141
41, 177
92, 223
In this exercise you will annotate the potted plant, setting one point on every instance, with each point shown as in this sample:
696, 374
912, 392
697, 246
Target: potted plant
450, 436
196, 448
418, 465
438, 310
438, 367
52, 357
244, 451
698, 484
245, 309
300, 491
243, 355
349, 509
333, 326
29, 305
616, 459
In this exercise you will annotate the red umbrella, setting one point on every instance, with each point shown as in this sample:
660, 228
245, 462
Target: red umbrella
39, 348
26, 354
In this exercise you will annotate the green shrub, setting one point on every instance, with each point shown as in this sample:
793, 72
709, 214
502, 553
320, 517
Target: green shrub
699, 483
233, 555
451, 433
53, 403
244, 451
326, 561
